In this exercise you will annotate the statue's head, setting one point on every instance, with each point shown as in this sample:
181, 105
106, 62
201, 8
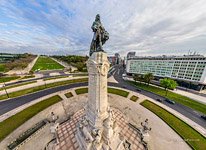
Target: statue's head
97, 17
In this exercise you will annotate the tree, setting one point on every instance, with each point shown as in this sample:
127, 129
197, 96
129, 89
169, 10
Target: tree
80, 66
70, 69
31, 72
141, 78
138, 77
168, 84
135, 77
148, 77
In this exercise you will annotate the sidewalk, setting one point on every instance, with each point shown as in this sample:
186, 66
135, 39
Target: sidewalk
199, 98
30, 66
64, 64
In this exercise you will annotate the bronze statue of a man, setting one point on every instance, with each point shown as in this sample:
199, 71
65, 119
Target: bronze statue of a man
100, 36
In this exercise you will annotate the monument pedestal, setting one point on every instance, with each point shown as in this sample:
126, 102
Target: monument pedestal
146, 137
97, 129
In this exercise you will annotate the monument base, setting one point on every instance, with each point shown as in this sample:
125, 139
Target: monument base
146, 137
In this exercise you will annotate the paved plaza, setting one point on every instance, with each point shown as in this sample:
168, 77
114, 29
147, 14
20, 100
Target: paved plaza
66, 132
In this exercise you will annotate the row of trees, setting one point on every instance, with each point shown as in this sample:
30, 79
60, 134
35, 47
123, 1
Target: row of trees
166, 83
20, 63
147, 78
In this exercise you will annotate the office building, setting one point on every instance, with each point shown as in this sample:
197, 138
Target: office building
188, 70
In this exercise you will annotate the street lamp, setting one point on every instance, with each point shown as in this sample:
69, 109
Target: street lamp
45, 84
5, 88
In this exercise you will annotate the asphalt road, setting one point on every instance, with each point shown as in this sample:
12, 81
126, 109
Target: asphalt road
8, 105
45, 75
186, 111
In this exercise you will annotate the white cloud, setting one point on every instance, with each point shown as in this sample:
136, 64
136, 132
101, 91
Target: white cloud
147, 27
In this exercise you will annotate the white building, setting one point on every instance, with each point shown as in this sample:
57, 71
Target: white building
189, 68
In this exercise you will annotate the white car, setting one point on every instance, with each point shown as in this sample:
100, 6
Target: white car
124, 75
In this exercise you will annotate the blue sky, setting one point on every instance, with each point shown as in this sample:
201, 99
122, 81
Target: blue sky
149, 27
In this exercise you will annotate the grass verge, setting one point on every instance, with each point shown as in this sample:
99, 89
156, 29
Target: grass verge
118, 92
110, 90
134, 98
188, 134
10, 124
17, 85
42, 87
81, 91
68, 95
57, 77
79, 75
7, 79
27, 77
173, 96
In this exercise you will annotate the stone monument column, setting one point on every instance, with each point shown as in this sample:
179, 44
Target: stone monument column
96, 130
97, 108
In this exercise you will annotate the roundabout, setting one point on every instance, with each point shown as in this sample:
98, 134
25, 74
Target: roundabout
50, 116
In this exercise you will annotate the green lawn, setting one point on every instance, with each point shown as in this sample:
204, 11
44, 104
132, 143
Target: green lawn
56, 77
190, 135
28, 76
173, 96
110, 90
118, 92
59, 77
46, 63
10, 124
2, 68
68, 95
134, 98
16, 85
8, 78
81, 91
79, 75
42, 87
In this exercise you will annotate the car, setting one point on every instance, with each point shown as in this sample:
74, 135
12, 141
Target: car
169, 101
159, 100
203, 117
138, 90
124, 87
124, 75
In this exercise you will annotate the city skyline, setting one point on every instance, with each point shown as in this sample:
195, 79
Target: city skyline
63, 27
